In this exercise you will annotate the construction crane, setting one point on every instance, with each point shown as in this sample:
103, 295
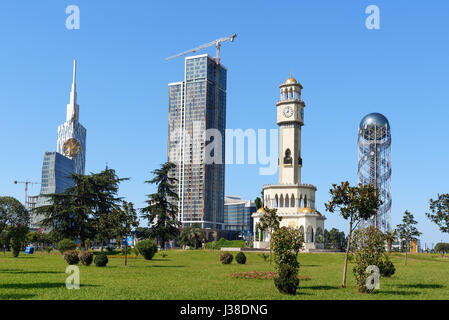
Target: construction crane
26, 183
216, 43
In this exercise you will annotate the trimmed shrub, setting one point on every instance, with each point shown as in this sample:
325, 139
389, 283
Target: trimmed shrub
71, 257
287, 279
86, 257
101, 260
147, 248
226, 257
65, 245
16, 245
240, 258
386, 268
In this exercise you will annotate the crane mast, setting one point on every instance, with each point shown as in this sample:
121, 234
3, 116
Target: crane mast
217, 43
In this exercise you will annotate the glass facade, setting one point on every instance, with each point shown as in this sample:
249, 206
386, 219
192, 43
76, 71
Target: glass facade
195, 105
56, 171
237, 214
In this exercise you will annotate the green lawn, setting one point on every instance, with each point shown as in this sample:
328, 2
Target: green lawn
199, 275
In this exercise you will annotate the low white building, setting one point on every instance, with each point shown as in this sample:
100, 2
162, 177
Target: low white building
294, 201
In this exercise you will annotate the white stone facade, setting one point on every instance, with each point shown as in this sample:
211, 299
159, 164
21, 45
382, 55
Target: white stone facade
294, 201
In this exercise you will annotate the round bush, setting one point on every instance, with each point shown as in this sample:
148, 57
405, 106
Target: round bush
387, 268
147, 248
65, 245
226, 258
240, 258
287, 279
101, 260
71, 257
86, 257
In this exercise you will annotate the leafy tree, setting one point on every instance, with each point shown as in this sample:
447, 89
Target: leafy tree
126, 219
258, 203
442, 248
407, 231
335, 238
83, 211
104, 212
368, 247
18, 234
5, 238
142, 233
440, 212
355, 204
190, 236
161, 209
390, 237
12, 212
269, 221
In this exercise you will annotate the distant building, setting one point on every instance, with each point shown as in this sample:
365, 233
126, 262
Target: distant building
237, 216
198, 104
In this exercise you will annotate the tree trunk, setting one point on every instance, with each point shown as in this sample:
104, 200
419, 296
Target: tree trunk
345, 267
126, 252
270, 245
406, 250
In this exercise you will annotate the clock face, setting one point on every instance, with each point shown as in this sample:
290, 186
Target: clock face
71, 148
288, 112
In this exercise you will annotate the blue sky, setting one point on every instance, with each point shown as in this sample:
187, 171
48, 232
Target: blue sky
401, 70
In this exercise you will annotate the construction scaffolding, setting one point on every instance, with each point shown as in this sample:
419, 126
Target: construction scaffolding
374, 165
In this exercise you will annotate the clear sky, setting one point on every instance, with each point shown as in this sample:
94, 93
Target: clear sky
401, 71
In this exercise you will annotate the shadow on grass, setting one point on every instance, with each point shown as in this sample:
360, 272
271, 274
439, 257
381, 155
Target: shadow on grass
420, 286
160, 259
322, 287
309, 265
19, 271
398, 293
167, 266
14, 296
38, 285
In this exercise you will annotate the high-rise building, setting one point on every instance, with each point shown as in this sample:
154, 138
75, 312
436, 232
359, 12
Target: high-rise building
197, 105
374, 153
69, 158
237, 215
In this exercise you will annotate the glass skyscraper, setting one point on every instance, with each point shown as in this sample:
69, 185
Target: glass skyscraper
56, 171
198, 104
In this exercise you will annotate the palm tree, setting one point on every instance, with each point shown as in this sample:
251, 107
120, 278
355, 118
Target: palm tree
390, 237
191, 236
162, 209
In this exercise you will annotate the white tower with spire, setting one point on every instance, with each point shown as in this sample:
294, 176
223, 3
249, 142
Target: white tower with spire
71, 134
293, 200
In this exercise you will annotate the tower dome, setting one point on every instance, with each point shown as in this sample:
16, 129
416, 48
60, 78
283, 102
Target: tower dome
374, 119
290, 80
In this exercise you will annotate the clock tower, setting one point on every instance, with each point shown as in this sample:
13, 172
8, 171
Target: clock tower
290, 118
71, 134
293, 200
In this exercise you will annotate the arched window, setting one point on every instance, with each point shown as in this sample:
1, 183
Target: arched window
276, 201
281, 201
292, 201
309, 234
287, 202
305, 202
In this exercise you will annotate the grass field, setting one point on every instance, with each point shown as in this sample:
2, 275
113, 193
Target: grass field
198, 274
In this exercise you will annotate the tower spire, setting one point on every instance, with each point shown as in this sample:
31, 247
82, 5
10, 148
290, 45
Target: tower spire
72, 107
